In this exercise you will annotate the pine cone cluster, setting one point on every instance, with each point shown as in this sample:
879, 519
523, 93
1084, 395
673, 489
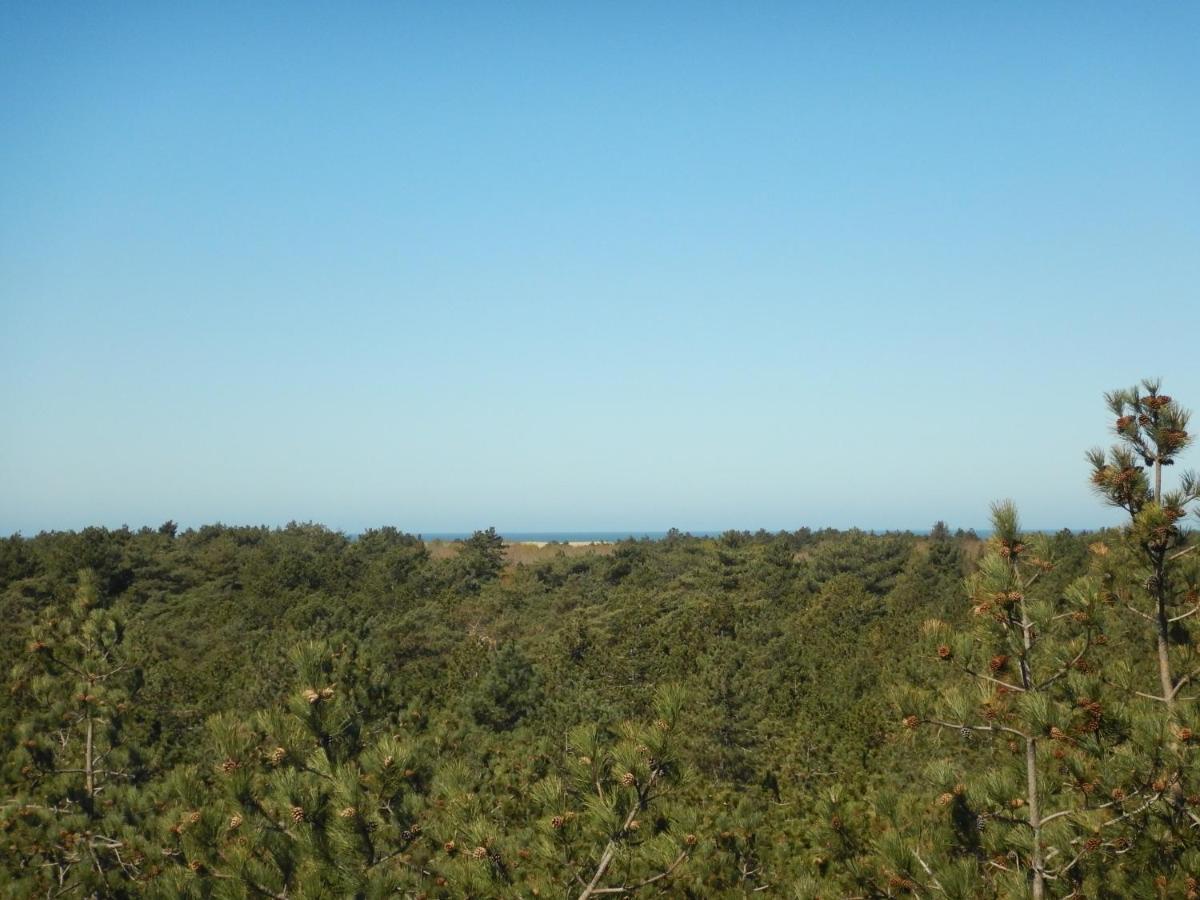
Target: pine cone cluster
297, 814
1094, 712
479, 853
628, 779
314, 696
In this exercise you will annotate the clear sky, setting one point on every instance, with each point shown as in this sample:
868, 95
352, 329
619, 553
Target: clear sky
587, 266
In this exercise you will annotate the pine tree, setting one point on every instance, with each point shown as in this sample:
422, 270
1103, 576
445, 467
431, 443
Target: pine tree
1152, 429
68, 823
480, 560
1151, 571
608, 826
310, 799
1022, 807
509, 688
602, 822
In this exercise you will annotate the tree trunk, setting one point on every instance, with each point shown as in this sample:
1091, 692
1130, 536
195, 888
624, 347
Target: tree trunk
88, 768
1162, 630
1036, 862
1035, 819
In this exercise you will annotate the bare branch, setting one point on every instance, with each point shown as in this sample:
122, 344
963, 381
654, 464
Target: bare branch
963, 725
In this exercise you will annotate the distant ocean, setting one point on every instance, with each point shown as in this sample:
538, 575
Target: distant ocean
563, 536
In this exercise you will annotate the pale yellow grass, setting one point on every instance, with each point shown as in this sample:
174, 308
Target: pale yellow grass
527, 551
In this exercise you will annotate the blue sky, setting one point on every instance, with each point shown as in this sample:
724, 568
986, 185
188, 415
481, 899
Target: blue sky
586, 266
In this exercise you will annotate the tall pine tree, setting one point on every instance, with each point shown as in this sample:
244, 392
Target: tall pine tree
1020, 809
69, 821
1152, 573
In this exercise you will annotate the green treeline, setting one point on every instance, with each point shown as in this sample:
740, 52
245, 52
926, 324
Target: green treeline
254, 712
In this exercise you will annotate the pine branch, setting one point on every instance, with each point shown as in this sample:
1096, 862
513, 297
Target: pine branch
661, 875
1067, 812
974, 674
1134, 609
1182, 681
961, 726
1181, 617
928, 871
644, 798
1076, 841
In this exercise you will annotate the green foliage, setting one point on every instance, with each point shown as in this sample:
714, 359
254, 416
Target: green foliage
305, 800
478, 682
68, 820
508, 690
